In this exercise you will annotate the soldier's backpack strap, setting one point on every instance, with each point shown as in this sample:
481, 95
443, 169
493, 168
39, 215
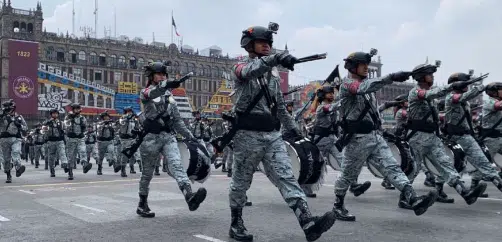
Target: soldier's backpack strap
414, 131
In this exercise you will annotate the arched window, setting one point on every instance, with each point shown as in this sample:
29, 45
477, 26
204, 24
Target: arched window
81, 55
30, 28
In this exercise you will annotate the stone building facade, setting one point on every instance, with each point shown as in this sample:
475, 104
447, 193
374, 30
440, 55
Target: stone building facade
107, 61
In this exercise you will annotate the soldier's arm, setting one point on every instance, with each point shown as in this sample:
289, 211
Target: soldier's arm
491, 105
178, 124
282, 113
367, 86
255, 68
471, 94
431, 94
152, 92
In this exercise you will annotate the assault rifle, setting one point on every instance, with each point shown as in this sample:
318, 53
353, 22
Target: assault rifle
292, 91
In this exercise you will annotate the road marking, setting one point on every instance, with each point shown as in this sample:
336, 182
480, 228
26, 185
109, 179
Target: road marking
201, 236
488, 198
28, 192
3, 219
77, 183
93, 209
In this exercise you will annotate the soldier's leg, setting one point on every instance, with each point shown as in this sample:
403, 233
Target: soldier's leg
158, 164
352, 163
5, 158
277, 165
71, 150
88, 151
101, 148
16, 156
61, 154
476, 157
46, 154
437, 155
137, 159
230, 162
122, 160
81, 149
38, 153
171, 152
110, 156
32, 153
51, 156
150, 150
355, 188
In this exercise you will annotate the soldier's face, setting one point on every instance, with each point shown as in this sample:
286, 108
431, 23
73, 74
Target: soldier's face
261, 47
330, 96
158, 77
289, 108
405, 104
106, 117
54, 115
76, 110
362, 70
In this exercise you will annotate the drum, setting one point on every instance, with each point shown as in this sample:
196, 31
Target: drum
195, 159
398, 149
456, 153
333, 162
306, 162
497, 160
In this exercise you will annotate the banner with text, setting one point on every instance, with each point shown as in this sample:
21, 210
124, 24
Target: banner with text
23, 74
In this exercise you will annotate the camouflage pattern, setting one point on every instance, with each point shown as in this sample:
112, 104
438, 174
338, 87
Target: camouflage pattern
492, 108
38, 145
11, 150
429, 145
228, 157
56, 150
370, 147
159, 105
90, 145
106, 143
453, 108
12, 127
128, 128
76, 147
252, 147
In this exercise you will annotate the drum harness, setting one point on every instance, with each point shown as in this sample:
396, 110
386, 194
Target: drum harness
347, 136
435, 119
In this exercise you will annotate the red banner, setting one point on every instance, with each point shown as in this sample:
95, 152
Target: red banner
284, 81
23, 75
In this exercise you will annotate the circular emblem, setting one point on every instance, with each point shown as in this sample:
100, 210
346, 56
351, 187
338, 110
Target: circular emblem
23, 87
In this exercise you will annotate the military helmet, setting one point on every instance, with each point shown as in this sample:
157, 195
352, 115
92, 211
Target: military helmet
459, 77
9, 104
254, 33
104, 114
195, 112
356, 58
74, 106
156, 67
493, 87
321, 92
402, 97
53, 110
420, 71
128, 108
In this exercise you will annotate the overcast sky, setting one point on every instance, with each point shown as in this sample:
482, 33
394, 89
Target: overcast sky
463, 34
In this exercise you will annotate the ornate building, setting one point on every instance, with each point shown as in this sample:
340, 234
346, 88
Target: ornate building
107, 61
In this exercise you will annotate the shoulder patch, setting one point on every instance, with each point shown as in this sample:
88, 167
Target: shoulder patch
404, 113
498, 105
421, 93
354, 87
238, 69
456, 97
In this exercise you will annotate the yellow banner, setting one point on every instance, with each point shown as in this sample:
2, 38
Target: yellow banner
127, 87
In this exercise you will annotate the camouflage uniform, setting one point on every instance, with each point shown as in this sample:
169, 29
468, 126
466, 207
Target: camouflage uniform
31, 151
128, 129
75, 126
201, 131
106, 145
38, 144
492, 108
426, 144
12, 126
56, 145
90, 146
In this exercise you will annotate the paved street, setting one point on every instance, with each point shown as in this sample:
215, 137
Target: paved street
36, 207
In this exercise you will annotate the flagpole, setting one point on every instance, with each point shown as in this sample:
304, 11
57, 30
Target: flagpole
172, 17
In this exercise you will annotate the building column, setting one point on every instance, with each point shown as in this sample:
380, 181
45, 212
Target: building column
75, 96
104, 102
113, 102
47, 88
86, 99
95, 100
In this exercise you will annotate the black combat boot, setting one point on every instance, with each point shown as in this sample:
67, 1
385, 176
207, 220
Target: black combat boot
313, 227
9, 177
229, 174
403, 203
248, 203
111, 163
224, 167
65, 167
217, 165
311, 195
359, 189
131, 169
237, 230
341, 213
419, 204
20, 170
46, 165
32, 161
442, 197
143, 210
87, 167
123, 171
193, 199
53, 172
387, 185
430, 179
116, 167
164, 167
70, 173
470, 195
157, 172
37, 163
474, 183
497, 181
100, 169
140, 166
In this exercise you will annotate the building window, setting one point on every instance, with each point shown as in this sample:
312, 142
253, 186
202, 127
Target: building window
102, 59
98, 76
122, 62
189, 84
133, 63
204, 83
137, 78
77, 72
73, 56
113, 61
117, 76
94, 59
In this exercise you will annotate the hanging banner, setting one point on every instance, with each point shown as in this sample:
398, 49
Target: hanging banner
284, 75
23, 75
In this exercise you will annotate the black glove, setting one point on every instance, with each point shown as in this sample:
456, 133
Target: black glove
172, 84
459, 85
400, 76
391, 104
287, 61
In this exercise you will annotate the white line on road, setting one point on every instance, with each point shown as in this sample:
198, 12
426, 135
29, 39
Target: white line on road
3, 219
93, 209
28, 192
488, 198
200, 236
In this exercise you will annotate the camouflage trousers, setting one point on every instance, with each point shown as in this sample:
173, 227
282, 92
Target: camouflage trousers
251, 148
428, 145
11, 152
31, 152
475, 156
208, 147
327, 147
38, 151
228, 157
494, 145
106, 148
153, 145
123, 160
369, 148
91, 152
56, 150
76, 147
